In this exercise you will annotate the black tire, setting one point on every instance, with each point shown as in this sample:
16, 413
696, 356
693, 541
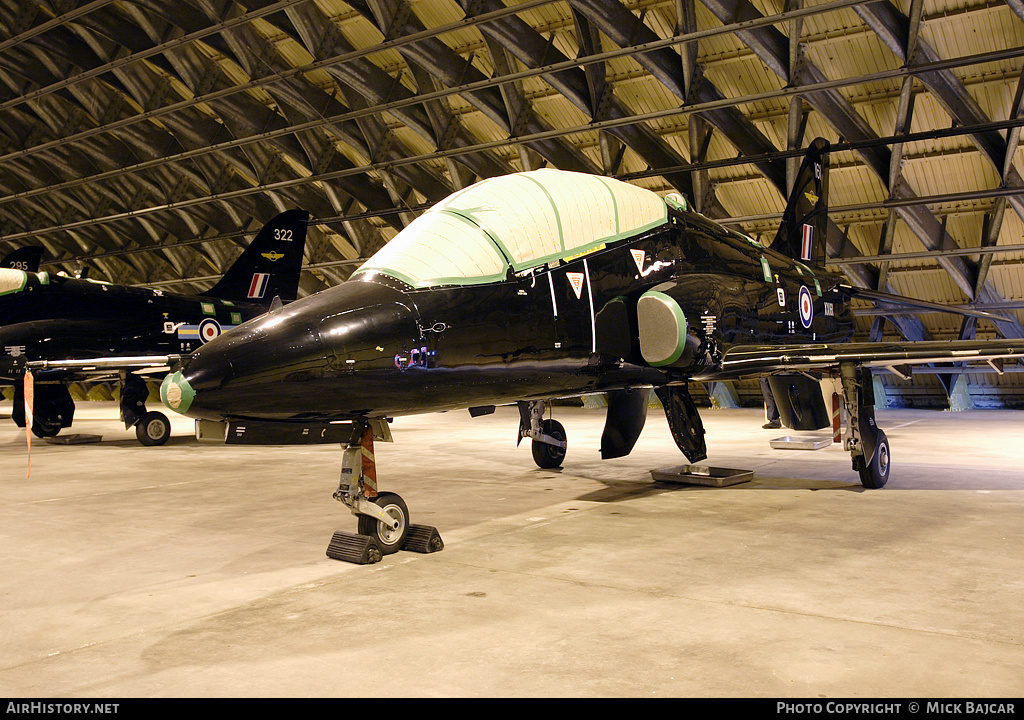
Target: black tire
389, 541
549, 456
43, 429
153, 429
875, 474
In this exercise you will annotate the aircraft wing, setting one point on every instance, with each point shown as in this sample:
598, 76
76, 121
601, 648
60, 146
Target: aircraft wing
98, 369
898, 302
747, 360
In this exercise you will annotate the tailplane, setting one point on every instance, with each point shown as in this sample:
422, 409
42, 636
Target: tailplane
270, 266
804, 227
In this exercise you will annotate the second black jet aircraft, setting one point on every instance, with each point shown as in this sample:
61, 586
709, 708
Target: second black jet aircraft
73, 329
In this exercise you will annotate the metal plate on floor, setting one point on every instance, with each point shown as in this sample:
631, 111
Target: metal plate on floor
796, 442
702, 475
79, 439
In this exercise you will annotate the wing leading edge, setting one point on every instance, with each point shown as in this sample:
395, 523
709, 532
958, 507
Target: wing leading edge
97, 369
747, 360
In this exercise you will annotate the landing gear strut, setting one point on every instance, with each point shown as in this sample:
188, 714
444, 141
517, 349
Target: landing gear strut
867, 443
383, 525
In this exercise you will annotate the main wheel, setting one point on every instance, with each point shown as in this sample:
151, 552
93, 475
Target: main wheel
153, 429
389, 540
43, 428
549, 456
875, 474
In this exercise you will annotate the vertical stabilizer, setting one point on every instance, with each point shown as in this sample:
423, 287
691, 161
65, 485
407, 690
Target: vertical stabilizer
804, 226
270, 266
26, 258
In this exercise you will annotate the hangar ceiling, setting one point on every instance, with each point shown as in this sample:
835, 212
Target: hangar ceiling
148, 140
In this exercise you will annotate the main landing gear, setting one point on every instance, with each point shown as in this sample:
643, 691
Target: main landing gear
52, 408
548, 435
867, 443
383, 518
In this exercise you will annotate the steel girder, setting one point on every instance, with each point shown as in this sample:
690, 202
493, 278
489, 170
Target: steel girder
894, 28
533, 50
451, 70
105, 33
668, 66
93, 89
771, 46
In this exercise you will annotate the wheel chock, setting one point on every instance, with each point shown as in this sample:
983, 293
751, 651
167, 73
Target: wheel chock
354, 548
423, 539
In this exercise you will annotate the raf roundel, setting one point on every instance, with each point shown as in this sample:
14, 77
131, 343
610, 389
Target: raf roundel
806, 306
208, 329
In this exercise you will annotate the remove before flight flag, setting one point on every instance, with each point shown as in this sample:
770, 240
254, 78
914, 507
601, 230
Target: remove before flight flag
29, 401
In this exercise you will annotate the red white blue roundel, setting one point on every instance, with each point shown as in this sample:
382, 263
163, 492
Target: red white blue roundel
208, 329
806, 306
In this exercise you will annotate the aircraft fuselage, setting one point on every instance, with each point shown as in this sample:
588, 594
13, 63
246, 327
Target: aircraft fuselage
57, 318
375, 347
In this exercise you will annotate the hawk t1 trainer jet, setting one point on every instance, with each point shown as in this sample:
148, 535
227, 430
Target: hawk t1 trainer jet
543, 285
65, 329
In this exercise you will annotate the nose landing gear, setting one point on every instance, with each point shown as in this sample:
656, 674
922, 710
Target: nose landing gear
383, 526
152, 428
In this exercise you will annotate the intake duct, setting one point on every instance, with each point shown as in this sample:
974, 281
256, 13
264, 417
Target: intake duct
665, 340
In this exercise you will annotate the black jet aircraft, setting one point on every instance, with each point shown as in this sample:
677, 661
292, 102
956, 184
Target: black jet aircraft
548, 284
67, 329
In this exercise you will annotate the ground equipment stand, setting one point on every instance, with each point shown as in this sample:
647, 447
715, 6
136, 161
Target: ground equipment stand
384, 526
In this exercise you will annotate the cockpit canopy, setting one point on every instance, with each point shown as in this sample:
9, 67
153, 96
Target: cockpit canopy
517, 221
12, 280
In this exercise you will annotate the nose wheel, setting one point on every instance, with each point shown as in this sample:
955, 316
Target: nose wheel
383, 526
389, 536
153, 429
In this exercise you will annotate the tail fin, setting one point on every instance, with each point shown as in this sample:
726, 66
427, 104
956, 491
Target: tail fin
804, 225
270, 266
26, 258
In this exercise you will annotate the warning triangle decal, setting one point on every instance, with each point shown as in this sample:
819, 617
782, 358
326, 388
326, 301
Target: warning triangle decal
576, 280
638, 257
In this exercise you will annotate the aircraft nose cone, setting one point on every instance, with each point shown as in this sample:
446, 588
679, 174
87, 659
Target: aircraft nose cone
198, 377
176, 392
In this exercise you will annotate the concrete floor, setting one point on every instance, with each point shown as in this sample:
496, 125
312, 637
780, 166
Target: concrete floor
200, 570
